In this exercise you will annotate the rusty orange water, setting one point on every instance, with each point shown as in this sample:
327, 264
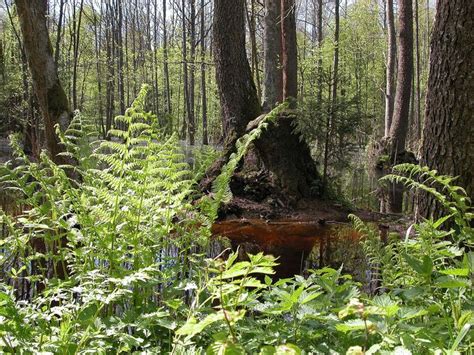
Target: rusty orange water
299, 245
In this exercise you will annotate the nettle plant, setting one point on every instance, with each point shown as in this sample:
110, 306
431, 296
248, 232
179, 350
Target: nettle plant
111, 256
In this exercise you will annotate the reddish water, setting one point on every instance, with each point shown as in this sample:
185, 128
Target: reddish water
300, 245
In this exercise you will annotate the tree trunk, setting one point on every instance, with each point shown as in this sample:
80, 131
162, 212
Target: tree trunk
418, 123
166, 73
283, 154
57, 51
50, 94
119, 47
237, 92
51, 98
76, 40
448, 144
331, 117
187, 108
273, 76
391, 62
320, 55
396, 142
252, 23
289, 50
110, 82
205, 139
399, 126
192, 73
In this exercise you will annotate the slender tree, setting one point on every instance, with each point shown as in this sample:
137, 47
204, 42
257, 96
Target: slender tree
205, 138
391, 65
399, 126
333, 108
166, 74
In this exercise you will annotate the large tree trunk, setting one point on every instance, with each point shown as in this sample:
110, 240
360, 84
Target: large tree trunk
283, 154
51, 97
237, 92
448, 144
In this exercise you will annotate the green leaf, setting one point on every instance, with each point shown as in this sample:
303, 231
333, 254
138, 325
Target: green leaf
460, 337
287, 349
311, 297
449, 282
351, 325
225, 348
455, 272
267, 350
424, 267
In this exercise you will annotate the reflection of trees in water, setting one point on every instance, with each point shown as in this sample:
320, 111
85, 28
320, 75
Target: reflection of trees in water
299, 246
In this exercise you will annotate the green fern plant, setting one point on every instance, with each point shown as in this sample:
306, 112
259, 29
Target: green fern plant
442, 187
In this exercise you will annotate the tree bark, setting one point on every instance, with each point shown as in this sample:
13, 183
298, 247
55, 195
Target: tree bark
120, 62
166, 73
205, 139
76, 32
192, 73
50, 94
273, 76
448, 143
284, 155
391, 64
331, 117
399, 126
237, 92
289, 49
396, 141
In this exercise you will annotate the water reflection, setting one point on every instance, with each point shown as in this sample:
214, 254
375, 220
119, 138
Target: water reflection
300, 245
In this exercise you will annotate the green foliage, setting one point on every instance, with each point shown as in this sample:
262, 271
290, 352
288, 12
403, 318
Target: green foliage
139, 279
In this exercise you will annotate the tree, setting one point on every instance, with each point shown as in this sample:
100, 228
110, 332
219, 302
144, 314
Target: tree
237, 92
289, 59
273, 76
50, 94
332, 110
399, 126
391, 65
205, 139
391, 150
280, 148
448, 143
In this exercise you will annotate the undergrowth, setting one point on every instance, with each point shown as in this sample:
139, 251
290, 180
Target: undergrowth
117, 261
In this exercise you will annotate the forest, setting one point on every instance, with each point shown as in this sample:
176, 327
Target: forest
237, 177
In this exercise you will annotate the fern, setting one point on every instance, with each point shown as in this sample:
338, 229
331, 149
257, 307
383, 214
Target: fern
453, 198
